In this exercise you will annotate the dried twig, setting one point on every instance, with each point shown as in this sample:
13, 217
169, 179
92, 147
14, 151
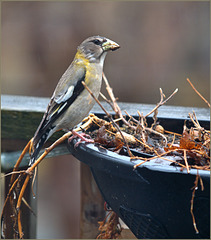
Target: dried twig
192, 200
114, 104
159, 156
186, 161
20, 159
144, 144
29, 172
110, 228
162, 101
21, 234
10, 192
158, 133
143, 128
134, 120
172, 141
109, 116
198, 93
175, 134
113, 99
195, 122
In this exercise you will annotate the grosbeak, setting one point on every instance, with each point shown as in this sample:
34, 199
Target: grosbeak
71, 102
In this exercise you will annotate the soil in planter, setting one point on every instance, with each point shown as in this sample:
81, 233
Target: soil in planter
188, 150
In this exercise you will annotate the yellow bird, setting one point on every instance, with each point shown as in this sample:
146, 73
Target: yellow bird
71, 102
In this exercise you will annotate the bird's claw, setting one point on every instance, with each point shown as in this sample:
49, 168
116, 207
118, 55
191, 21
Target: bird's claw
83, 138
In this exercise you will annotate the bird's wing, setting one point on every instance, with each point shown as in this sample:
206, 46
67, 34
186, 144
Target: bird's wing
68, 88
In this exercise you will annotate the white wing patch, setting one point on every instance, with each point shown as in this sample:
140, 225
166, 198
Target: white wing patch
62, 99
66, 96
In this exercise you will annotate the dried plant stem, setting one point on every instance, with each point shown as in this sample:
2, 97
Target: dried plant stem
56, 143
20, 159
11, 173
113, 99
109, 116
114, 104
132, 118
10, 192
172, 142
144, 144
206, 168
195, 122
157, 133
198, 93
20, 226
22, 192
162, 101
21, 234
29, 172
192, 200
152, 158
186, 161
28, 206
144, 161
159, 156
173, 133
145, 128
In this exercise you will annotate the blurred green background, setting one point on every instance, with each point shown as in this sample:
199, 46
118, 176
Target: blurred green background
162, 43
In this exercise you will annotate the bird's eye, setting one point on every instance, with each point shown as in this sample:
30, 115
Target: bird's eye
97, 42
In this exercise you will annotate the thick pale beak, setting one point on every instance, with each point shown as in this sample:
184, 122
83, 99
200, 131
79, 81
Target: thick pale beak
110, 45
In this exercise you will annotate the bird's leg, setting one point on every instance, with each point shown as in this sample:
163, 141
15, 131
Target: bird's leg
83, 138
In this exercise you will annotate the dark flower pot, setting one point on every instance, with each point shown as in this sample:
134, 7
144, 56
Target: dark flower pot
154, 200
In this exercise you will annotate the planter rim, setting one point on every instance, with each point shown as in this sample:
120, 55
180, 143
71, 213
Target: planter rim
108, 157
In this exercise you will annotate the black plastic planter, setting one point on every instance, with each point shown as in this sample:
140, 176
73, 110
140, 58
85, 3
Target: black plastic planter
155, 199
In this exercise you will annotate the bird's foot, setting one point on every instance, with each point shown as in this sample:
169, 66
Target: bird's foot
83, 138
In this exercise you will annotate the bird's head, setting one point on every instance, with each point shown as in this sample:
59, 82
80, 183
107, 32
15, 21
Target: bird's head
95, 48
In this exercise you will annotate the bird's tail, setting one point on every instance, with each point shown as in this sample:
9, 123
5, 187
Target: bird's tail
36, 151
38, 142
